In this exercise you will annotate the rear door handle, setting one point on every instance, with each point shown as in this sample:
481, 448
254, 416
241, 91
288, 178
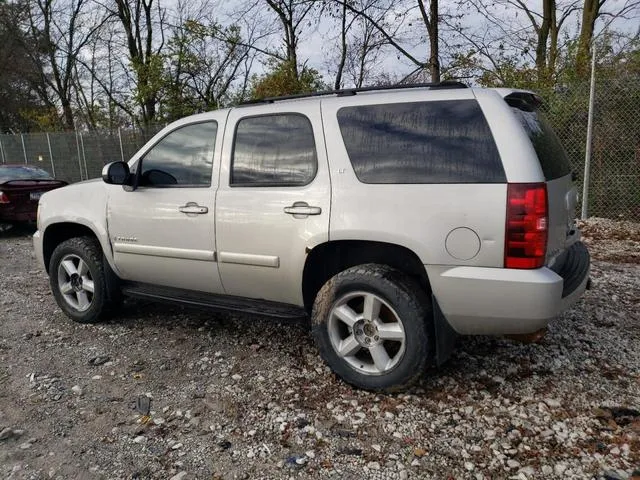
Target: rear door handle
193, 207
302, 209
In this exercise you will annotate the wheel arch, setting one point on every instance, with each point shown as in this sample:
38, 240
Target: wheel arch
329, 258
57, 233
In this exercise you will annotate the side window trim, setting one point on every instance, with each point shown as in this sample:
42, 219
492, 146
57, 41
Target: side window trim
272, 184
137, 165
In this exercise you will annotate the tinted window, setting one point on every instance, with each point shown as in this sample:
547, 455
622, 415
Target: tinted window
424, 142
553, 158
184, 157
274, 150
22, 173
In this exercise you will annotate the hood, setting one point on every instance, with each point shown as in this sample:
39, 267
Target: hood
75, 192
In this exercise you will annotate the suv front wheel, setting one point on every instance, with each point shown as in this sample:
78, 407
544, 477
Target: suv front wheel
78, 280
373, 326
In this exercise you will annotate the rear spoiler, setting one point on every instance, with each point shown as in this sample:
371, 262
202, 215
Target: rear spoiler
525, 101
30, 182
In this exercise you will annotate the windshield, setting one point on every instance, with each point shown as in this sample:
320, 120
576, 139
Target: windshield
23, 173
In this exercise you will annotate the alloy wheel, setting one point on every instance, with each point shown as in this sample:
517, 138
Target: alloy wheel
366, 332
75, 282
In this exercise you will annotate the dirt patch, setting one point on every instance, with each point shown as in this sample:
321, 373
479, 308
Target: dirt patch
611, 240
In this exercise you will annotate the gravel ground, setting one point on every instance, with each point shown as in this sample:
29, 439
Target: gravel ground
246, 397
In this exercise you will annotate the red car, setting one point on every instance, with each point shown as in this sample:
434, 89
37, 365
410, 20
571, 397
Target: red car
20, 189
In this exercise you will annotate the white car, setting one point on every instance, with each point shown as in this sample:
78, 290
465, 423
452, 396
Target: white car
394, 218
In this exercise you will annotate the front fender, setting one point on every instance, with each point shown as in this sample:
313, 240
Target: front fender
83, 204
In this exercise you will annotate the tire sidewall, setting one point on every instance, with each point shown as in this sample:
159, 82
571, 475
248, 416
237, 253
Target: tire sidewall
73, 246
412, 310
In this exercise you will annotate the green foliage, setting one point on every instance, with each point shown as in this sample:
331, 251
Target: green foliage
284, 79
178, 103
200, 62
149, 74
41, 119
20, 108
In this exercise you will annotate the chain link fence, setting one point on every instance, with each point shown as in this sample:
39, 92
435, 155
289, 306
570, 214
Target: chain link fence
614, 177
73, 156
614, 180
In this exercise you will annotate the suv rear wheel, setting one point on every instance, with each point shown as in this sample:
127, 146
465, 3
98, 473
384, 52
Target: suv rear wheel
373, 326
78, 280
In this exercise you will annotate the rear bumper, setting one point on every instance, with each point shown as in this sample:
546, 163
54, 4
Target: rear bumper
11, 214
498, 301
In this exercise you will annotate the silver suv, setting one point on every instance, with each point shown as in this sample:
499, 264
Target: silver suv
394, 218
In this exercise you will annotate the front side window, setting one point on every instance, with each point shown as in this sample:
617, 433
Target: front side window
421, 142
274, 150
183, 158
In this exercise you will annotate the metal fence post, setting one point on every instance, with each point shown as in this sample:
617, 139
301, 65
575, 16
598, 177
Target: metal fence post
79, 158
53, 167
24, 149
4, 160
587, 154
121, 149
84, 157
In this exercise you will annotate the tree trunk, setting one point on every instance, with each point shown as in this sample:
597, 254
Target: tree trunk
285, 11
69, 123
552, 58
434, 60
590, 12
548, 9
431, 20
343, 48
138, 25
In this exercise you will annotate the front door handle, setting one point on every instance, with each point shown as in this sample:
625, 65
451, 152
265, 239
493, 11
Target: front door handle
193, 207
302, 209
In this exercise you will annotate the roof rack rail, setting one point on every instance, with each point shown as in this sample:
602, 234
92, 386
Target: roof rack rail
345, 92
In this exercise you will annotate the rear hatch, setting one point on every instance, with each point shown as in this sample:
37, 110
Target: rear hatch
562, 195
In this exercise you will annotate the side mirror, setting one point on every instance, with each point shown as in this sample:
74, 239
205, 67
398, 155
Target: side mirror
116, 173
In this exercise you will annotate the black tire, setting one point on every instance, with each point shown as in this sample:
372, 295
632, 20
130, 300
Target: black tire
413, 311
88, 250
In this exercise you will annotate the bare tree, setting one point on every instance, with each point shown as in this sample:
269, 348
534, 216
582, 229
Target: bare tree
547, 26
112, 82
520, 32
536, 37
593, 10
20, 84
205, 59
63, 29
293, 16
429, 18
143, 23
358, 42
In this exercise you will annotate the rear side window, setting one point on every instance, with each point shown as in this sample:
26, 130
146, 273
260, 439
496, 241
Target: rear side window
274, 150
421, 142
25, 172
553, 159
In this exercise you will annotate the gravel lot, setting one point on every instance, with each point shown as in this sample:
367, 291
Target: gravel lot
245, 397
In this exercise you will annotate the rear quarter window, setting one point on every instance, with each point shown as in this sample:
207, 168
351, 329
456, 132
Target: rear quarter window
553, 159
421, 142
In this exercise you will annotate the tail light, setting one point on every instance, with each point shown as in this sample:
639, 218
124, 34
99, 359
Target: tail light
4, 198
526, 229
